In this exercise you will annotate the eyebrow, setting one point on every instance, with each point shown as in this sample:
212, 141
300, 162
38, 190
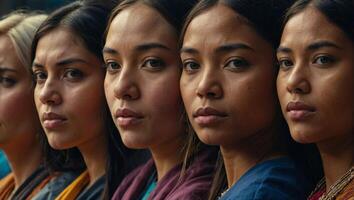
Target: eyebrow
311, 47
188, 50
232, 47
221, 49
62, 62
142, 47
148, 46
282, 49
321, 44
109, 51
4, 69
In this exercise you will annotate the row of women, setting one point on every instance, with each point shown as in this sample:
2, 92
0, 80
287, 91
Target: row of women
179, 100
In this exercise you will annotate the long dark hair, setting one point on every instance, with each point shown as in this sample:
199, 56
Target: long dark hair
339, 12
265, 17
87, 20
174, 12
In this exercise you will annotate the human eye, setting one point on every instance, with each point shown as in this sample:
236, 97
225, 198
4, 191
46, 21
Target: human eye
323, 60
154, 64
39, 76
190, 66
237, 64
73, 74
112, 66
7, 82
285, 64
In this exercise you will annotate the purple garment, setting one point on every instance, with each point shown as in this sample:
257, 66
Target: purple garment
194, 185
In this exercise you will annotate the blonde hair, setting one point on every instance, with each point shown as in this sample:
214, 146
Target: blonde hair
20, 27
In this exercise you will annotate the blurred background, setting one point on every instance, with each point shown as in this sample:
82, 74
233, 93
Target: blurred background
6, 6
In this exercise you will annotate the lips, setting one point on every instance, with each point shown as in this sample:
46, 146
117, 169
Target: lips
208, 116
126, 117
53, 120
298, 111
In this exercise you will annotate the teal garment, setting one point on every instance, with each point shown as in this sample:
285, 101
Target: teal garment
4, 165
149, 189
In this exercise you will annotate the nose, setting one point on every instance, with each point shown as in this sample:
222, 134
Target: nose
49, 94
125, 86
298, 80
209, 86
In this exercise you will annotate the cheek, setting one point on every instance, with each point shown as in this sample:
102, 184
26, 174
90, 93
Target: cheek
86, 102
37, 101
83, 105
252, 104
164, 97
18, 106
335, 101
109, 92
281, 90
188, 88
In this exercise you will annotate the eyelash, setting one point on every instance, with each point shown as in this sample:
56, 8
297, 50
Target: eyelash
37, 76
285, 64
112, 66
77, 74
148, 64
7, 82
241, 64
330, 59
188, 68
40, 76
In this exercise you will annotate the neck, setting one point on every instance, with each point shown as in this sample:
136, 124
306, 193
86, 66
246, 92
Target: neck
167, 155
24, 160
241, 157
94, 153
337, 157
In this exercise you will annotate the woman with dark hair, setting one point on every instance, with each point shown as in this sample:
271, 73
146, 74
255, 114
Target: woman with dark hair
19, 123
69, 95
142, 90
228, 88
315, 87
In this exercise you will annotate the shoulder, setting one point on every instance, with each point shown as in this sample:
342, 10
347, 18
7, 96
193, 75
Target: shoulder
196, 182
57, 184
273, 179
134, 180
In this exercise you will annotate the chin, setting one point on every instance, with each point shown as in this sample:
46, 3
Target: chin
133, 143
208, 137
58, 144
301, 136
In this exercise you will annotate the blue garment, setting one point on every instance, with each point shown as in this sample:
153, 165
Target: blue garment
95, 191
4, 165
52, 189
277, 179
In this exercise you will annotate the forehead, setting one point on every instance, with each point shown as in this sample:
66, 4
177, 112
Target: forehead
220, 24
59, 44
309, 26
8, 54
139, 23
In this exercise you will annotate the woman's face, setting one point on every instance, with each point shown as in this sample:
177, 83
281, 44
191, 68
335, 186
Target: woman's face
142, 79
315, 81
69, 91
228, 79
18, 116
